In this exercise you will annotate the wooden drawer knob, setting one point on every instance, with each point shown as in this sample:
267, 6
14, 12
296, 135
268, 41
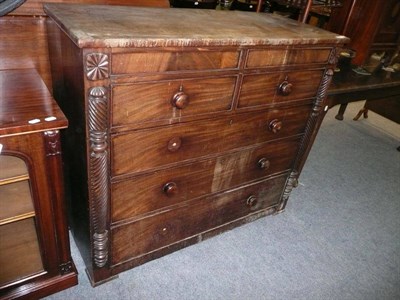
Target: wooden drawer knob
170, 189
251, 201
275, 126
263, 163
285, 88
180, 100
174, 144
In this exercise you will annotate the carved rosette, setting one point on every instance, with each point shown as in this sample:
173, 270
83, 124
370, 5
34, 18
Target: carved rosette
97, 66
291, 183
52, 142
98, 181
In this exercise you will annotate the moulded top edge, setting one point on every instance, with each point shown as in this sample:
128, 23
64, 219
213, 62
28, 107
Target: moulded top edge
99, 26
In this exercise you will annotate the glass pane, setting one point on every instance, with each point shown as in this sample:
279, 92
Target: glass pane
19, 251
15, 202
20, 255
11, 166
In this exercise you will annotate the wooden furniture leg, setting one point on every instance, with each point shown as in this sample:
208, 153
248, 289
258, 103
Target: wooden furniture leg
363, 111
341, 111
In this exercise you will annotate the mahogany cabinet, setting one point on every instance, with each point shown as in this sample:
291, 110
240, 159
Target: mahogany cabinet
370, 25
35, 258
179, 131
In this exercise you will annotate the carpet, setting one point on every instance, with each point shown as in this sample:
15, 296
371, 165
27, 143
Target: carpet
339, 237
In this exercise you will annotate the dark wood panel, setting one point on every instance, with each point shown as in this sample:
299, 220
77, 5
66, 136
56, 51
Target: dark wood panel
347, 86
387, 107
183, 142
147, 193
195, 218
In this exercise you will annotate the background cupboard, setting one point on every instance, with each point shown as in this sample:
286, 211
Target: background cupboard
35, 258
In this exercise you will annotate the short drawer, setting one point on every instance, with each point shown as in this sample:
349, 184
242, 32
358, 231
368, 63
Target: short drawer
142, 194
259, 58
279, 87
152, 233
154, 62
135, 103
146, 149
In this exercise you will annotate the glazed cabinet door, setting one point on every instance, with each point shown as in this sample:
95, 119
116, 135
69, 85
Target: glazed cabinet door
33, 249
20, 253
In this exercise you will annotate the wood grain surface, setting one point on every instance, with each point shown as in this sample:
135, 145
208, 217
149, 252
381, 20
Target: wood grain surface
156, 27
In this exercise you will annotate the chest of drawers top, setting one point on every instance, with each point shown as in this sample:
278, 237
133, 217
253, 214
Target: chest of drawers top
98, 26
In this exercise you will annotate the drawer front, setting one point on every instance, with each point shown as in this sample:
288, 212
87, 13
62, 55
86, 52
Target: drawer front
280, 57
143, 62
173, 99
272, 88
164, 188
140, 237
145, 149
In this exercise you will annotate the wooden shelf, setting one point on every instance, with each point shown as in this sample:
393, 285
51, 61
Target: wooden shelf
13, 179
16, 202
17, 218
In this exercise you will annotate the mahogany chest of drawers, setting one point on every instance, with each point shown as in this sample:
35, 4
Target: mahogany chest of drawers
183, 123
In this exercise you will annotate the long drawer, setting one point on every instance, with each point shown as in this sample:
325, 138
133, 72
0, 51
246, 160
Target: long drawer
146, 149
171, 99
152, 233
164, 188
